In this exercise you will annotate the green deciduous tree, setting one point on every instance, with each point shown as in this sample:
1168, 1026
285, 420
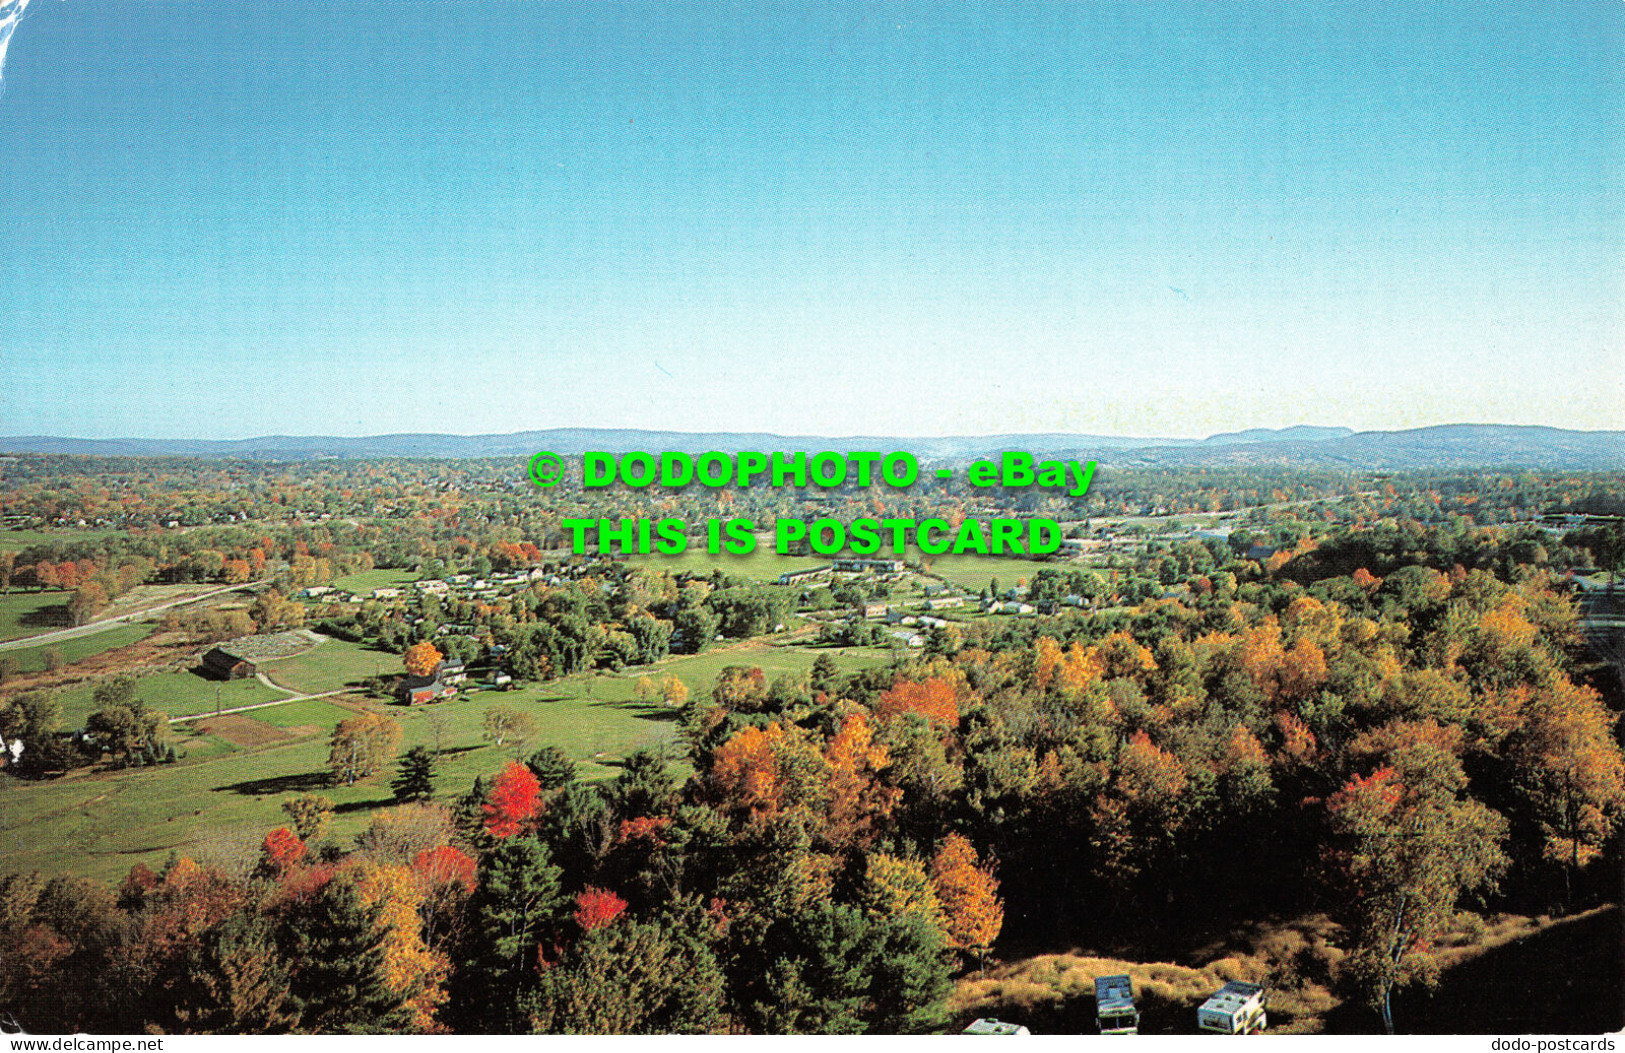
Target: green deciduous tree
1409, 845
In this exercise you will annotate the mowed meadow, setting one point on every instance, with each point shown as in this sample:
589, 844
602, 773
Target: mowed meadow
225, 792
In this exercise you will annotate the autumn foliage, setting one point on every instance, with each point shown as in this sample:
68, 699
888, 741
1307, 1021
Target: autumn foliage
445, 865
512, 800
421, 659
1396, 728
933, 700
596, 907
282, 849
969, 897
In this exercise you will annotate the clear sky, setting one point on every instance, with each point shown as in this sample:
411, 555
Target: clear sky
226, 219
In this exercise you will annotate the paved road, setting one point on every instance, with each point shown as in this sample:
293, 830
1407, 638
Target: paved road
91, 628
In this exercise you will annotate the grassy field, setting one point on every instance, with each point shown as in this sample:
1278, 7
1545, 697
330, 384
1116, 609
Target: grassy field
19, 539
762, 565
974, 572
28, 613
178, 694
331, 666
226, 792
32, 659
314, 711
368, 580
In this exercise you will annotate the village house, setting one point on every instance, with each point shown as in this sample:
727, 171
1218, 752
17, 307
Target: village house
797, 577
416, 690
868, 566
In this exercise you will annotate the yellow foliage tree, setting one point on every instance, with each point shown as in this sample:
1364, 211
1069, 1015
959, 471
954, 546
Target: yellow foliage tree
673, 691
1046, 659
362, 745
410, 967
969, 897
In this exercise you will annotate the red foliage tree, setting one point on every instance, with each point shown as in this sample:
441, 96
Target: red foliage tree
444, 866
302, 883
644, 828
512, 800
282, 849
1378, 793
597, 907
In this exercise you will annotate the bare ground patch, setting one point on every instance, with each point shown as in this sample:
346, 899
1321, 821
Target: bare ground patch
240, 730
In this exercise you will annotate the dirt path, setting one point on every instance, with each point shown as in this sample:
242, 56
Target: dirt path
260, 705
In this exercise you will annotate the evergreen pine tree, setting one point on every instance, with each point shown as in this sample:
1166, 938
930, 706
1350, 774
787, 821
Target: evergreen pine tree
415, 781
516, 900
468, 818
552, 767
234, 982
634, 978
338, 984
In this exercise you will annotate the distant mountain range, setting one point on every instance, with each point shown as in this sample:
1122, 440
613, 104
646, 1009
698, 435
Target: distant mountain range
1449, 446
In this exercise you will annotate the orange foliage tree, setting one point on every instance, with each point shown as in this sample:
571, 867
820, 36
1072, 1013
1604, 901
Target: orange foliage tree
858, 801
748, 771
422, 658
281, 850
1574, 770
933, 700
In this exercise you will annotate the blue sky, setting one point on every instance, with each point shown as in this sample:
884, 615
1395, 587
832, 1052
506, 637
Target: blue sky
224, 219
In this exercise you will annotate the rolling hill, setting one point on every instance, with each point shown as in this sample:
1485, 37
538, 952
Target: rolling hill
1449, 446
